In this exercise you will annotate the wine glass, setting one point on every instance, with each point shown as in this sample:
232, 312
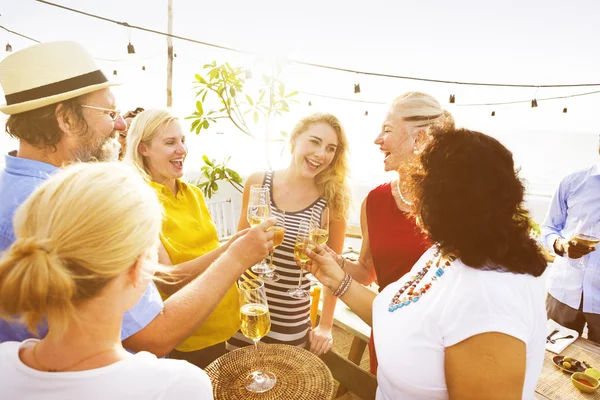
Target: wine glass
278, 235
587, 234
319, 233
255, 323
302, 243
259, 210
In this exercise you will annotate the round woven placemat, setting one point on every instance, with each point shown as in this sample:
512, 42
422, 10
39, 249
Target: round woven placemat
300, 374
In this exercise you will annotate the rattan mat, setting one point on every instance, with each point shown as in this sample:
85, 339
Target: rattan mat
556, 384
300, 374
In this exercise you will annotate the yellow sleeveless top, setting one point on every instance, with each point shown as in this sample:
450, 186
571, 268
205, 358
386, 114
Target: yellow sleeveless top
188, 232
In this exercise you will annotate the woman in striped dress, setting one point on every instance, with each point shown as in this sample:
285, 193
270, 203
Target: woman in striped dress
315, 179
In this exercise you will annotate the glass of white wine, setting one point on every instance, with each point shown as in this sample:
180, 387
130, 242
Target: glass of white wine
319, 233
278, 235
302, 243
255, 323
259, 210
587, 234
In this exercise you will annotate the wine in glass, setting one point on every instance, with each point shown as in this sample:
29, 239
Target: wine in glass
255, 323
278, 235
319, 233
259, 210
587, 234
302, 243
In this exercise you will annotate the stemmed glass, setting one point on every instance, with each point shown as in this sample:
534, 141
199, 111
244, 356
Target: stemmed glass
302, 243
587, 234
319, 233
255, 323
259, 210
278, 235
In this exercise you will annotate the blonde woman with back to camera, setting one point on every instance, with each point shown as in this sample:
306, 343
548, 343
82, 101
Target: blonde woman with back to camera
85, 251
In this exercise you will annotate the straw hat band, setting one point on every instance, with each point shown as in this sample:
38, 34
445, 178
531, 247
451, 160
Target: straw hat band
67, 85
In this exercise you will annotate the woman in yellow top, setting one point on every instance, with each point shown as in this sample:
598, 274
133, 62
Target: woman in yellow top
156, 145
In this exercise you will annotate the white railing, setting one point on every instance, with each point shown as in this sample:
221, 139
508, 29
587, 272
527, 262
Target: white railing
224, 218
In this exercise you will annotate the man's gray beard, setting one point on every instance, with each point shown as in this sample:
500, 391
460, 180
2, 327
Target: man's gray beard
107, 151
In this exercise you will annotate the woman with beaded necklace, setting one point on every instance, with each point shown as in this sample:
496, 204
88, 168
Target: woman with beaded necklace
391, 241
468, 321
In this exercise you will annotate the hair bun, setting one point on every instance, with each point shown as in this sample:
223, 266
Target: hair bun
31, 245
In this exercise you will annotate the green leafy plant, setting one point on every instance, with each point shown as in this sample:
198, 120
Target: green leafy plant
213, 172
245, 110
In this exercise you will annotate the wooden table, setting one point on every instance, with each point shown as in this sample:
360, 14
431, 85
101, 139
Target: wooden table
552, 376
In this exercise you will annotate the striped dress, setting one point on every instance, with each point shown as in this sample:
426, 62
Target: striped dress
290, 318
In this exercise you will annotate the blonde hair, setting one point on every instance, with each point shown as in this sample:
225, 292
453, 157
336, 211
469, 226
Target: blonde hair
79, 230
332, 181
144, 128
420, 110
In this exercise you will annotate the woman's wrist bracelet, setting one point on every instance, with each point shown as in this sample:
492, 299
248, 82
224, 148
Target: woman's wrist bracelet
344, 286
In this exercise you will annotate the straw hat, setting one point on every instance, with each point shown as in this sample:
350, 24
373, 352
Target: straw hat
48, 73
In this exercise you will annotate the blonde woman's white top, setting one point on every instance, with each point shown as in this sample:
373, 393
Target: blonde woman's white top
464, 302
141, 377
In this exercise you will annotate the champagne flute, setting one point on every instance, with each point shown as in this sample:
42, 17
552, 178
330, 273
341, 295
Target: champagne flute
302, 243
319, 233
278, 235
259, 210
255, 323
587, 234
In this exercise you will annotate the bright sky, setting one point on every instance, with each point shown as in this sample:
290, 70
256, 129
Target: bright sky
514, 41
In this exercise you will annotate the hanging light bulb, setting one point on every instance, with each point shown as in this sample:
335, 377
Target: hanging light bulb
452, 99
366, 113
174, 55
143, 67
8, 48
130, 49
309, 103
493, 113
533, 103
357, 88
248, 73
115, 72
565, 110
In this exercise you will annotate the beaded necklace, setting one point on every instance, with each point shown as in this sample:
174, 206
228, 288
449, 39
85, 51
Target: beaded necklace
413, 294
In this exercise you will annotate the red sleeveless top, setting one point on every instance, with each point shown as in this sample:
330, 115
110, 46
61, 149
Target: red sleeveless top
396, 244
396, 241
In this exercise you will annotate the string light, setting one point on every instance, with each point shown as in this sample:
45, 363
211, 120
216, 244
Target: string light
493, 113
187, 39
357, 88
8, 48
309, 103
115, 72
452, 99
533, 103
130, 48
565, 110
143, 67
366, 113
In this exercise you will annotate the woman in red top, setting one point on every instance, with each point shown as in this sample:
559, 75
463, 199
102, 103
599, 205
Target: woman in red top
392, 242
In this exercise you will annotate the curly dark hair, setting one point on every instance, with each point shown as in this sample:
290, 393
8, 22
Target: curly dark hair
40, 128
469, 199
133, 113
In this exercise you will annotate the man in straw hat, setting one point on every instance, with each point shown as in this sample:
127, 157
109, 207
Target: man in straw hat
61, 110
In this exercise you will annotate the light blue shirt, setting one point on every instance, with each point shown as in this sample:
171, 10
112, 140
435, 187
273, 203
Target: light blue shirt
18, 180
577, 199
